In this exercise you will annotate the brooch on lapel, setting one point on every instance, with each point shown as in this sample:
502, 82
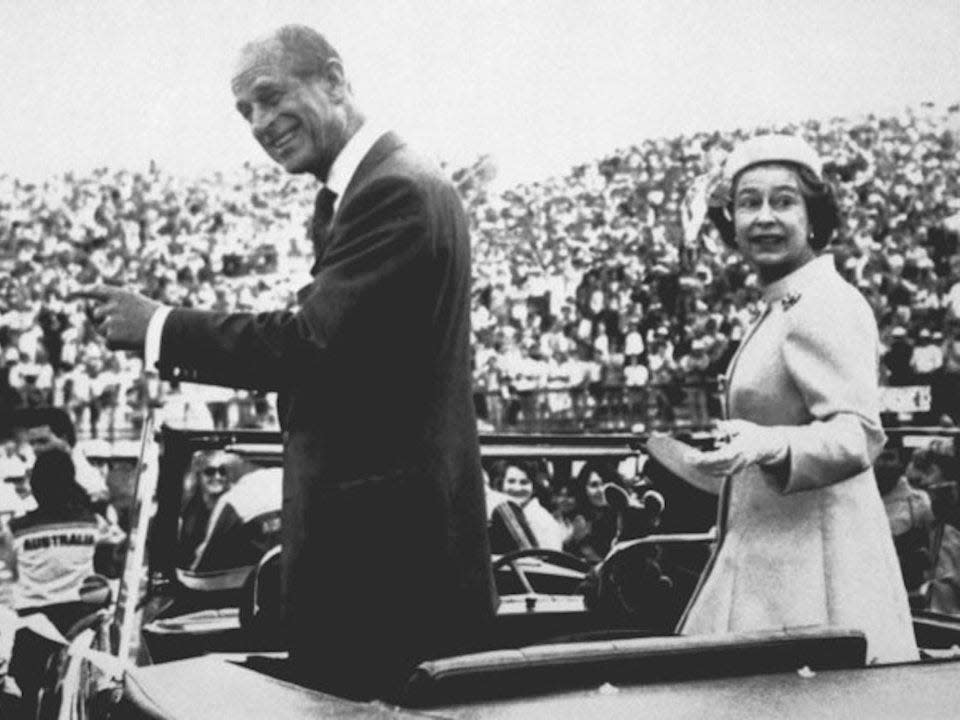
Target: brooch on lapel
789, 301
758, 311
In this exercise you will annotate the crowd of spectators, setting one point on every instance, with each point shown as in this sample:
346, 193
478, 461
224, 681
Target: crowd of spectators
593, 284
601, 279
219, 242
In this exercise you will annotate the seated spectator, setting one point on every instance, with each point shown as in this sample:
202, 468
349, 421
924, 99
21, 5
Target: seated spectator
564, 511
49, 428
594, 523
54, 548
937, 475
517, 483
210, 476
55, 542
910, 513
507, 527
244, 524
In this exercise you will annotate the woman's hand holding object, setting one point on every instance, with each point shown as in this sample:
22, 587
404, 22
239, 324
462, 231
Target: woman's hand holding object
747, 444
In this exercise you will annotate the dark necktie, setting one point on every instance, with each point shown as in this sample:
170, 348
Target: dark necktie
321, 225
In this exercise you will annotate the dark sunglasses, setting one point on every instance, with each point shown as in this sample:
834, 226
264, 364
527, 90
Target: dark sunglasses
215, 470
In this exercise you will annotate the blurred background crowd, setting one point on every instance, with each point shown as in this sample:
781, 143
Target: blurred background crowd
594, 298
601, 301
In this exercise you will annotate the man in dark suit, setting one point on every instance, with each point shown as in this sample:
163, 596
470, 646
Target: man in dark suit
385, 554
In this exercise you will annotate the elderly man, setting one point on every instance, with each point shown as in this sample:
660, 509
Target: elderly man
385, 553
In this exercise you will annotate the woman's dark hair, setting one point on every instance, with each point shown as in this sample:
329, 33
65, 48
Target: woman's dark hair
607, 474
819, 198
496, 469
53, 482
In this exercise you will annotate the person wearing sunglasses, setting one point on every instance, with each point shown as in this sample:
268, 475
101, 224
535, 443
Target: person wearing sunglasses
209, 478
244, 524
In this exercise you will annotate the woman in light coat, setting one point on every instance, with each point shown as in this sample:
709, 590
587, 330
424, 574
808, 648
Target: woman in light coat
806, 539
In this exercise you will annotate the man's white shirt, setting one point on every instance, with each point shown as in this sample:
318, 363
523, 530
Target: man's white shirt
341, 172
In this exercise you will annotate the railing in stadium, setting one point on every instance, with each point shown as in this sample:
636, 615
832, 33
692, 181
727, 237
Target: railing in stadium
600, 409
595, 409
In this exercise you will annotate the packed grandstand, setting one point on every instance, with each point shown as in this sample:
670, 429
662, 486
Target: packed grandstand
595, 304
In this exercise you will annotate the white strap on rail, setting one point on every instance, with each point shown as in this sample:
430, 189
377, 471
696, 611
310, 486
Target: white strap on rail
110, 666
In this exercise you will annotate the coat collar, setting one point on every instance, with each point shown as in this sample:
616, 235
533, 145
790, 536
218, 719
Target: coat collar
386, 143
348, 162
802, 278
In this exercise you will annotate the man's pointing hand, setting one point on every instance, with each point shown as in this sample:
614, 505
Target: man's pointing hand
120, 316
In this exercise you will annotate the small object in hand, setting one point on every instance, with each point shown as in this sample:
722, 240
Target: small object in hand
682, 460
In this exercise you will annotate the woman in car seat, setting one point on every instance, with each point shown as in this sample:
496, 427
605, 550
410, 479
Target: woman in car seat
517, 482
244, 524
211, 474
507, 526
591, 524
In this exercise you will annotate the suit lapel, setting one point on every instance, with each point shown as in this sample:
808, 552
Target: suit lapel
386, 144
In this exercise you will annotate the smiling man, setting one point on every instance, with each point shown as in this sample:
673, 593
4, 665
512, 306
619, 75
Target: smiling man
292, 91
385, 553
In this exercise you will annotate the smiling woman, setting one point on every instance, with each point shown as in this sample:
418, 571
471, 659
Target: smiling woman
211, 474
807, 540
779, 213
526, 484
772, 229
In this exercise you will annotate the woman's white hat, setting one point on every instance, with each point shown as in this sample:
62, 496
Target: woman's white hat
772, 148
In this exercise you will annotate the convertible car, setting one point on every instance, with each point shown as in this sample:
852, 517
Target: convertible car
571, 641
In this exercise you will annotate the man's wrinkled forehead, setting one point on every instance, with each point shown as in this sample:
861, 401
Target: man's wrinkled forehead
259, 59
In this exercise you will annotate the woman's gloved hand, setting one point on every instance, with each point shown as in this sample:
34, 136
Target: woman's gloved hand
747, 444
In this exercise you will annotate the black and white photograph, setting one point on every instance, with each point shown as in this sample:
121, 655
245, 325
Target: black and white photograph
479, 359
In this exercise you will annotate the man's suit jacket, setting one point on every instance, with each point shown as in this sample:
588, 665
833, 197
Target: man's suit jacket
385, 553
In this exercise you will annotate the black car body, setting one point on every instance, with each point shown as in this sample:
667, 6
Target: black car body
169, 648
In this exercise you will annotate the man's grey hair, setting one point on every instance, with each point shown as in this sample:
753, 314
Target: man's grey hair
305, 51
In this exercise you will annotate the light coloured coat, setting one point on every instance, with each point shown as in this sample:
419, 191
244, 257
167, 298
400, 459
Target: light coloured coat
811, 544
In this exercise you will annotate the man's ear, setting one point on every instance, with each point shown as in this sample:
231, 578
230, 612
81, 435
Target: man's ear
335, 80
